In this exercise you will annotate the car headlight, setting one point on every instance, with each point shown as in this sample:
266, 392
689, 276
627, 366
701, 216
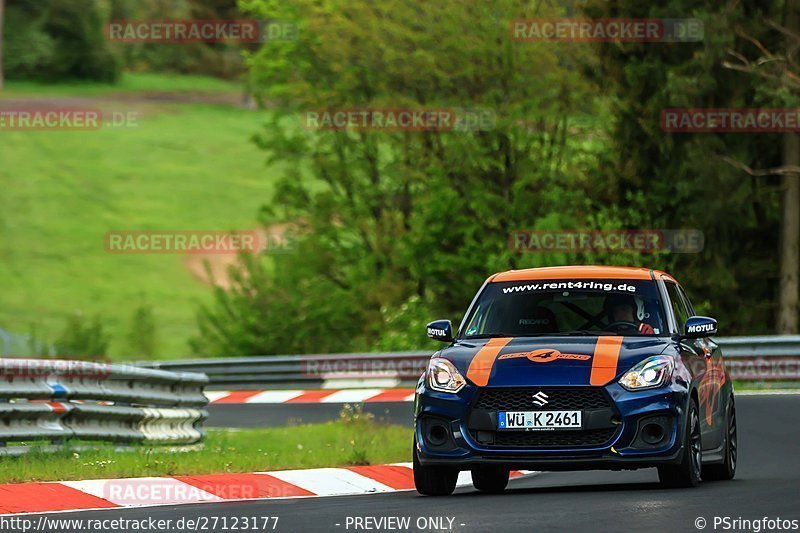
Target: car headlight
648, 374
443, 376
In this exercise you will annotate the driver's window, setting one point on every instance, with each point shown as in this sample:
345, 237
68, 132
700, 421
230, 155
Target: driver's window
686, 301
478, 323
678, 306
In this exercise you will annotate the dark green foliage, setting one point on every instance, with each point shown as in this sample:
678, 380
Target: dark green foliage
405, 224
81, 50
213, 59
685, 181
55, 40
27, 48
142, 339
257, 316
82, 339
58, 40
408, 224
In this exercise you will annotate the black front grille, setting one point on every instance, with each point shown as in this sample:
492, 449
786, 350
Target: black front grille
521, 398
552, 439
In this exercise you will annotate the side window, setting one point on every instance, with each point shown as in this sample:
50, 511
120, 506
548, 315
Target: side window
678, 306
478, 323
686, 300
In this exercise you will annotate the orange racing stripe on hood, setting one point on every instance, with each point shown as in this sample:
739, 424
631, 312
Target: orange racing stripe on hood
481, 365
604, 362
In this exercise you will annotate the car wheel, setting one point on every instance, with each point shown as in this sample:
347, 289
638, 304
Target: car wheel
727, 469
433, 480
687, 472
490, 479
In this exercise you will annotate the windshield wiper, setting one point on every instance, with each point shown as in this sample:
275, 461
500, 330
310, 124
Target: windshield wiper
577, 332
490, 335
585, 332
516, 335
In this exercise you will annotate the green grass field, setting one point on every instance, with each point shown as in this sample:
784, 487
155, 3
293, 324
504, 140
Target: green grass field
130, 83
186, 166
251, 450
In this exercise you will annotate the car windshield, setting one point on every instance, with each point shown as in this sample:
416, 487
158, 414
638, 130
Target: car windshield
567, 307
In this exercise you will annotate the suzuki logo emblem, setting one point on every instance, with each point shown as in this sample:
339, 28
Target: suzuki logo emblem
540, 398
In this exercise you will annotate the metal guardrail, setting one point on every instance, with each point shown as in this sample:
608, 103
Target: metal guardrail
763, 358
773, 358
763, 346
56, 401
306, 371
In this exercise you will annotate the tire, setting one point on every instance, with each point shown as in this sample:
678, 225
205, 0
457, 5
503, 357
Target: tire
433, 480
490, 479
687, 472
727, 469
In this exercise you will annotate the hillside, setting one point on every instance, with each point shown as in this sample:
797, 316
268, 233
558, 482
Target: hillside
188, 165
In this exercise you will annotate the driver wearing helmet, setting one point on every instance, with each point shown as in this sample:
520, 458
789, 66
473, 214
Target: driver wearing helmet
626, 311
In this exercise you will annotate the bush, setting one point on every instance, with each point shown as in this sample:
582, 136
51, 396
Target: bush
58, 40
142, 335
27, 48
81, 339
82, 51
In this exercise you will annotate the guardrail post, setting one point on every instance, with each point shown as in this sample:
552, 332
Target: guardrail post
3, 400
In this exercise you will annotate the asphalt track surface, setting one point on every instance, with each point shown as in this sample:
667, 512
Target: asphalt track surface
767, 485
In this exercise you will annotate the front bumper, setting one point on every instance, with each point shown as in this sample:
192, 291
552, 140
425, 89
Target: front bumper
452, 430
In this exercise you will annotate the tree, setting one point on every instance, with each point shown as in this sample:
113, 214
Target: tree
142, 335
398, 225
55, 40
789, 296
683, 175
82, 339
81, 48
779, 74
391, 216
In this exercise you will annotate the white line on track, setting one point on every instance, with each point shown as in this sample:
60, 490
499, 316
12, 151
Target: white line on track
331, 481
214, 395
351, 396
274, 396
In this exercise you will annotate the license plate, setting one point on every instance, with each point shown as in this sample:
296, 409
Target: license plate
539, 420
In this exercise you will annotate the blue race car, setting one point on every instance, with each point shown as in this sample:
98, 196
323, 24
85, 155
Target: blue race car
573, 368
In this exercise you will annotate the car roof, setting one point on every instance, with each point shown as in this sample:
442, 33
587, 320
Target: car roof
580, 272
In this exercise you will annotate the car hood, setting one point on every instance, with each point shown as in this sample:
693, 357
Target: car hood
525, 361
